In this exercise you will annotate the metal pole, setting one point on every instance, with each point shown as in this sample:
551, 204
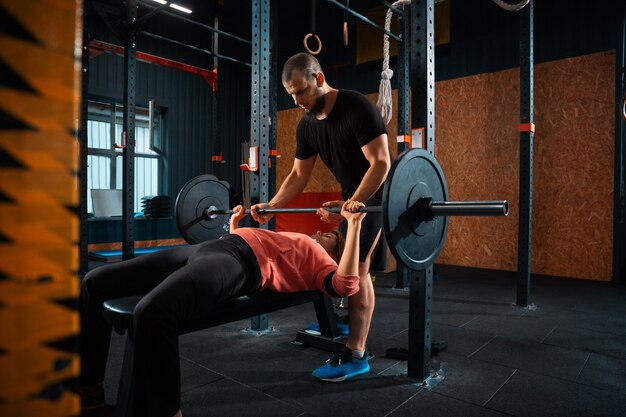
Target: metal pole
128, 194
402, 275
195, 23
390, 6
423, 116
194, 48
83, 265
214, 40
526, 156
619, 225
273, 99
260, 106
364, 19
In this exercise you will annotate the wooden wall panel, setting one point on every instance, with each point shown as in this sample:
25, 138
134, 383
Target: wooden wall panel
477, 146
321, 180
574, 156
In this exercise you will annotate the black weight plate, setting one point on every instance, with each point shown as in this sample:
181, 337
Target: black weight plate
414, 174
197, 195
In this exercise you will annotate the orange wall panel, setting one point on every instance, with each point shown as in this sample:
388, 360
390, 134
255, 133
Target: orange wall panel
478, 147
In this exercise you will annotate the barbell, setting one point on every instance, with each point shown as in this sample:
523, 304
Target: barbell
414, 208
427, 210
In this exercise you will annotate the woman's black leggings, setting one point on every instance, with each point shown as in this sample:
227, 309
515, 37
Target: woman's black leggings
180, 284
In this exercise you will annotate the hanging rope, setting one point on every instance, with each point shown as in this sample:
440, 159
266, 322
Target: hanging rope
512, 7
384, 104
345, 23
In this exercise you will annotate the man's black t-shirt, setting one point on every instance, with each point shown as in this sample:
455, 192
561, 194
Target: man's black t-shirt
352, 123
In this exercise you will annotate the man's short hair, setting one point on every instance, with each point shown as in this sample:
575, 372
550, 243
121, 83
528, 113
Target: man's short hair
305, 63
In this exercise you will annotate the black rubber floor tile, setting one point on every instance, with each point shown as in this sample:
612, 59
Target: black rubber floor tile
602, 298
457, 319
605, 373
378, 346
365, 396
220, 343
606, 344
471, 380
455, 311
461, 341
533, 357
226, 398
427, 403
532, 395
522, 327
577, 319
398, 370
267, 367
389, 324
193, 375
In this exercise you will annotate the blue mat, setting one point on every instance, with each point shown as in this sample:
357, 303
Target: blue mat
116, 255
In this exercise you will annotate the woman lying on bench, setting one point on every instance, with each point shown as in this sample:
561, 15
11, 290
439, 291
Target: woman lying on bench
183, 283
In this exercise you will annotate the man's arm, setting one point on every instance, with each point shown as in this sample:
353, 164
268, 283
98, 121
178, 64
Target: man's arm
290, 188
377, 153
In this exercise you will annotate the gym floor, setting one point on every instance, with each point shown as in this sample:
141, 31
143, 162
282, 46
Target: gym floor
566, 358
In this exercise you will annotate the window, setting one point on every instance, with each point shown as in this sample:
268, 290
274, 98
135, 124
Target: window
104, 160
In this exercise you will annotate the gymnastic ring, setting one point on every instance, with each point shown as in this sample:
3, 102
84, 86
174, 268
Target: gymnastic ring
622, 107
319, 43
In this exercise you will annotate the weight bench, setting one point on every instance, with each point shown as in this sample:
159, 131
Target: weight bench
119, 313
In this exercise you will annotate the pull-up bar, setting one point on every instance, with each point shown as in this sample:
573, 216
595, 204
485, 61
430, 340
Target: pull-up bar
365, 19
193, 22
194, 48
390, 7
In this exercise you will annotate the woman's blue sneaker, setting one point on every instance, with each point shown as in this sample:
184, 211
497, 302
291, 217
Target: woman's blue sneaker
314, 328
342, 366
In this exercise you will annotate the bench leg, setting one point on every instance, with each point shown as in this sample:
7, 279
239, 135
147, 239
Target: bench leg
326, 317
329, 339
124, 406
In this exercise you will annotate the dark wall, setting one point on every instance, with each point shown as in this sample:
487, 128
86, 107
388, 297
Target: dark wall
484, 38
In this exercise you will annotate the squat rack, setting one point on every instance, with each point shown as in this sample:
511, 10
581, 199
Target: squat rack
263, 127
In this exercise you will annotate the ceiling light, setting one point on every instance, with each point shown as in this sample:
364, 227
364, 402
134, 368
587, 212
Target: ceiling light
160, 1
178, 7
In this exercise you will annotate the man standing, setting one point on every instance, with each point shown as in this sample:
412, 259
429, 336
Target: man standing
345, 129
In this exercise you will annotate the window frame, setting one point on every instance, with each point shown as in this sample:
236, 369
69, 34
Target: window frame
113, 118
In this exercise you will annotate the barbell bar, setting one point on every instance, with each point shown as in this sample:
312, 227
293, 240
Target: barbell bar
432, 209
415, 209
